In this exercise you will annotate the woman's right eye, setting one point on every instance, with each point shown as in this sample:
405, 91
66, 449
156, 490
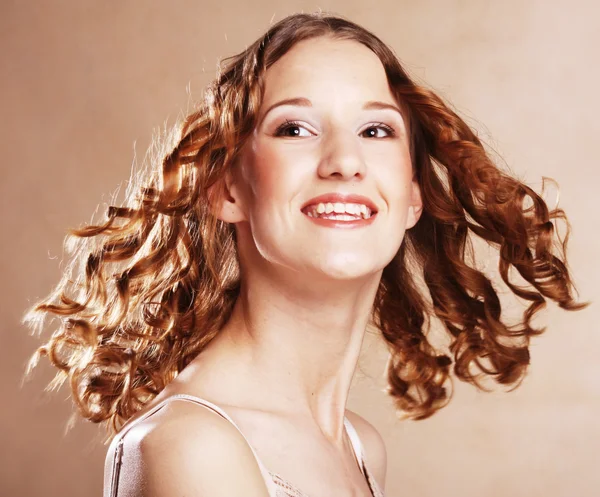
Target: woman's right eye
292, 129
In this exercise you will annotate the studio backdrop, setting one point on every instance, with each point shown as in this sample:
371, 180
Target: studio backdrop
86, 84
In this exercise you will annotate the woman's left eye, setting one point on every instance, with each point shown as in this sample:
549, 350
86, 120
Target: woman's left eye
379, 130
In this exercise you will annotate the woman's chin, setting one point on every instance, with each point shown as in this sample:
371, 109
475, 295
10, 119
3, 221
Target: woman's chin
347, 267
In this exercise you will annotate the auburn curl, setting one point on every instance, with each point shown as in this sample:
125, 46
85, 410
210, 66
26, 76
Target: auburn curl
149, 288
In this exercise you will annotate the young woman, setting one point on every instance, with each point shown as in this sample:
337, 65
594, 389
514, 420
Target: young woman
215, 321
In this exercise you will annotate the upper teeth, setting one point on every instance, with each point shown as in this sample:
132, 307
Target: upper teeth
340, 208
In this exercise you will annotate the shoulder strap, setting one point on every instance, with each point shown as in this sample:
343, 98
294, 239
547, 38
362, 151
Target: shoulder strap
198, 401
356, 443
358, 452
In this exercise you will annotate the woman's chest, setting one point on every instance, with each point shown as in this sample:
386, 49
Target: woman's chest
302, 462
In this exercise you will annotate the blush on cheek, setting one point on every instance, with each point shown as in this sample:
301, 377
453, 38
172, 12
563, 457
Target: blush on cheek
278, 170
262, 164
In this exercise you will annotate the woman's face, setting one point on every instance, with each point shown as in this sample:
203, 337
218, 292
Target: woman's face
329, 137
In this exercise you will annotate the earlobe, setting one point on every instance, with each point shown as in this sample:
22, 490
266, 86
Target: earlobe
414, 214
415, 208
225, 201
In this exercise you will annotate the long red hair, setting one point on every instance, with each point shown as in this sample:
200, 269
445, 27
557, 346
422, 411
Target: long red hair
147, 290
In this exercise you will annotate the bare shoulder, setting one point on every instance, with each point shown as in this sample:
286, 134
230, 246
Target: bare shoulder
373, 445
184, 449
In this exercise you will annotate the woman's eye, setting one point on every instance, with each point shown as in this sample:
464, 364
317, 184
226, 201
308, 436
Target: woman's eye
292, 129
378, 131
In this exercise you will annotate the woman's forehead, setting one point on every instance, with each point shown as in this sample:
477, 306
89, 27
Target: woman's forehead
323, 68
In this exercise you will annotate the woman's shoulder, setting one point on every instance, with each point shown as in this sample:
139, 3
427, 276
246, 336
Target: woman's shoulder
181, 449
375, 453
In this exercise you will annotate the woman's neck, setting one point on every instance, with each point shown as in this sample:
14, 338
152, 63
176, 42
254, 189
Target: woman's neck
293, 351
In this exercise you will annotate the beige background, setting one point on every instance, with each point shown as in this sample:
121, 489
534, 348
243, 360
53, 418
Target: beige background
82, 81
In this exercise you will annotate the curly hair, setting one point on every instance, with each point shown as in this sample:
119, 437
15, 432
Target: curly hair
149, 288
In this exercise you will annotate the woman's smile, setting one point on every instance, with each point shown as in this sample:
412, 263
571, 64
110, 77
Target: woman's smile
336, 210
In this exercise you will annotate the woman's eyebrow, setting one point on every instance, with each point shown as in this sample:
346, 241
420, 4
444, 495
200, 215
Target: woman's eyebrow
376, 105
305, 102
299, 101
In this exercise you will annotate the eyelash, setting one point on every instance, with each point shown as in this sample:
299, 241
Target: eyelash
291, 124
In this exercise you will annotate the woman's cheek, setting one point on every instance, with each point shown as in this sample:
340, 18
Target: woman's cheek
262, 170
282, 169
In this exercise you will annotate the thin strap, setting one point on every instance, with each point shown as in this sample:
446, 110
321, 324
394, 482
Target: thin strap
119, 448
356, 444
358, 451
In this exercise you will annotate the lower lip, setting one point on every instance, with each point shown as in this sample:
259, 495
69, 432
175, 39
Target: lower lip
336, 223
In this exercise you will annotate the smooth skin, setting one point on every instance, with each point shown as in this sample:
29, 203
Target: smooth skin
282, 366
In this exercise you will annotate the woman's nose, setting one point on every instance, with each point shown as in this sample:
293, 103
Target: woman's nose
341, 155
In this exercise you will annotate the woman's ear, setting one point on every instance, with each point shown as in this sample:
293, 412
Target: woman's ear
226, 201
415, 207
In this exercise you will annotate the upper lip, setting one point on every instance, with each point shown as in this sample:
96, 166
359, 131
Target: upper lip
345, 198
